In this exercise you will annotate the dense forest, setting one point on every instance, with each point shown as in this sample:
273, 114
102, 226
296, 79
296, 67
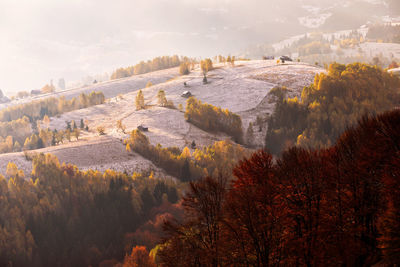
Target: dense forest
337, 206
326, 195
326, 207
60, 216
335, 100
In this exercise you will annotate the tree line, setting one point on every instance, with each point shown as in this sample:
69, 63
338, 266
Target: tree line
336, 206
19, 124
211, 118
51, 106
334, 101
386, 33
186, 166
158, 63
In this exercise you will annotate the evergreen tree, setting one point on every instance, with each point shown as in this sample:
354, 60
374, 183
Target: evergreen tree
173, 195
159, 190
147, 200
53, 139
250, 135
40, 143
185, 174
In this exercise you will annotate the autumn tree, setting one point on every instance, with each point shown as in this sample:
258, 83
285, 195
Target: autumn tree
149, 84
161, 99
68, 135
389, 222
139, 100
139, 257
184, 68
233, 61
101, 130
206, 65
46, 121
200, 234
255, 220
323, 207
48, 89
335, 100
212, 118
121, 126
77, 133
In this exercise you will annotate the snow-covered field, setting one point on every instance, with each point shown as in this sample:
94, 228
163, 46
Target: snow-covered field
109, 88
389, 50
242, 89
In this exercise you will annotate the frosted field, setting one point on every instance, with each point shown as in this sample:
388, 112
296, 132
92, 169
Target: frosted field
242, 89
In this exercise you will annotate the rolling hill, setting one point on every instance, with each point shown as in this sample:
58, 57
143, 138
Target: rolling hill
242, 89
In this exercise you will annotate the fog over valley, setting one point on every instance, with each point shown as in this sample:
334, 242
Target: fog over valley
46, 40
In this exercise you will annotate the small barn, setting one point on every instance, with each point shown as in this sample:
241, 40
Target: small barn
186, 94
285, 58
143, 128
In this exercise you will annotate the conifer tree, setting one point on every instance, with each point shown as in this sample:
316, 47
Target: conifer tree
250, 135
185, 175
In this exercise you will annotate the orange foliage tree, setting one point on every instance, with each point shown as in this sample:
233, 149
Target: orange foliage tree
326, 207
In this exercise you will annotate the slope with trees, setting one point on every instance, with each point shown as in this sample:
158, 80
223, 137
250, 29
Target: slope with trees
334, 101
62, 216
158, 63
210, 118
20, 122
218, 158
326, 207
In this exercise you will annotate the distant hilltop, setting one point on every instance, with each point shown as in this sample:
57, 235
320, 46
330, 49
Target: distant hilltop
3, 98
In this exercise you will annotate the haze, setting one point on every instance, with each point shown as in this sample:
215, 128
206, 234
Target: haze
46, 39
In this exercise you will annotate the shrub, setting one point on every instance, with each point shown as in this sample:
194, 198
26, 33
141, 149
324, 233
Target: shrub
184, 68
206, 65
101, 130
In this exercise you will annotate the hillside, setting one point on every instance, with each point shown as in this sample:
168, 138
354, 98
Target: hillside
109, 88
242, 89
